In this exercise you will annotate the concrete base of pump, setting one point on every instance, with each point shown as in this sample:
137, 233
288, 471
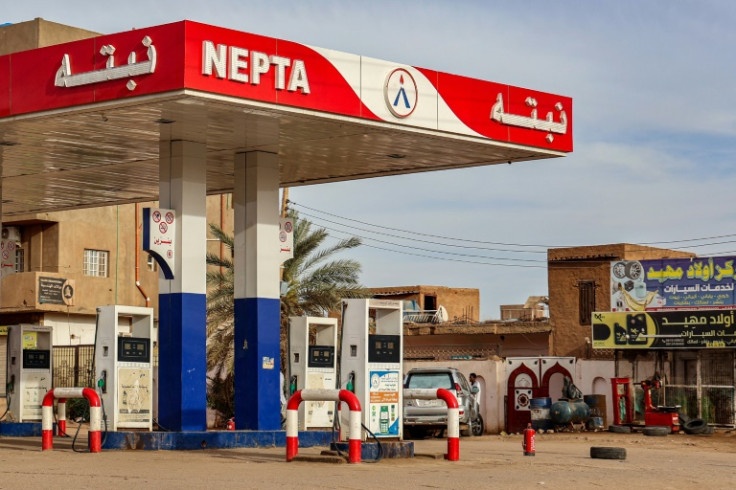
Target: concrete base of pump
372, 450
176, 441
21, 429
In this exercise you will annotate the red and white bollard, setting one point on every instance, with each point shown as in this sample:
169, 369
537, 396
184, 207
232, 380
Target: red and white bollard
95, 416
453, 415
453, 424
528, 441
61, 417
292, 419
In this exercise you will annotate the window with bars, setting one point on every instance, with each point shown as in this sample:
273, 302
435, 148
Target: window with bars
20, 260
586, 301
95, 263
151, 263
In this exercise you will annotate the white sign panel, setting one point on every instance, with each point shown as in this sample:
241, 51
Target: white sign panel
286, 239
159, 233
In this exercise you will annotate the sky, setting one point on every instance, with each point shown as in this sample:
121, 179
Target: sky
654, 111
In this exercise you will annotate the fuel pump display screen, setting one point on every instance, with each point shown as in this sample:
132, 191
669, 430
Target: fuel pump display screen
384, 348
321, 356
36, 359
132, 349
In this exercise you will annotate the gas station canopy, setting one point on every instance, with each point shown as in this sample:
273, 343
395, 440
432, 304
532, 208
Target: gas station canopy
81, 123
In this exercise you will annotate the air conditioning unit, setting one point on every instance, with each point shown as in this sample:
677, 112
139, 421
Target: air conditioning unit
11, 234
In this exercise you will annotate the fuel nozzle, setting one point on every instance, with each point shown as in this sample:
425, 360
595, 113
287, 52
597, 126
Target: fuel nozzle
292, 385
102, 382
351, 386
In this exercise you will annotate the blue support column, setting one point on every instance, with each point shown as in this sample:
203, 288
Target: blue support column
182, 372
257, 303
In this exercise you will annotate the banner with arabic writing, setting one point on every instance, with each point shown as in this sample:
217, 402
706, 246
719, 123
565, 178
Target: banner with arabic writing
671, 284
665, 329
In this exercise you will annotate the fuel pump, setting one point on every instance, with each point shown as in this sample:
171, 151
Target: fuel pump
29, 370
123, 367
313, 365
371, 362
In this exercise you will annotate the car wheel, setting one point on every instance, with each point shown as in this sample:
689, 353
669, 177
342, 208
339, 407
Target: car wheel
478, 426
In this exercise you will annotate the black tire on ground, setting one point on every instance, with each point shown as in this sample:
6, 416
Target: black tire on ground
684, 419
608, 452
478, 426
619, 429
695, 426
656, 430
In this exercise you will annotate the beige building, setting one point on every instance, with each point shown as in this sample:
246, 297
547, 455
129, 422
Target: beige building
67, 263
38, 33
461, 305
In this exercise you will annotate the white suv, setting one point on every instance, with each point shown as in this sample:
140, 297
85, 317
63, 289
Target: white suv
421, 416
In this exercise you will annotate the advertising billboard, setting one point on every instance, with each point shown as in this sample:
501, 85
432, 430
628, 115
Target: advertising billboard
676, 329
672, 284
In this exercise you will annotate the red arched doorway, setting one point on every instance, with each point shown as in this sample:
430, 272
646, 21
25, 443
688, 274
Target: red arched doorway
523, 385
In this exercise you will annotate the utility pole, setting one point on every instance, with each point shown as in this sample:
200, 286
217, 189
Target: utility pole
284, 202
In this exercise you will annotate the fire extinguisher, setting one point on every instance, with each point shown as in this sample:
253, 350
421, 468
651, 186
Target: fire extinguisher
230, 424
528, 441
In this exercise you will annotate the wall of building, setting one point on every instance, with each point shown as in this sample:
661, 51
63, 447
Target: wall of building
591, 377
55, 248
480, 345
490, 374
462, 304
54, 244
38, 33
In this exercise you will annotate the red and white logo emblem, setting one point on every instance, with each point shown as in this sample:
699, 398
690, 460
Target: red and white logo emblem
400, 93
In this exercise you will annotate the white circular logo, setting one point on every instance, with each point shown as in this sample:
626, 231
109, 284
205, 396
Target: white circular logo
400, 93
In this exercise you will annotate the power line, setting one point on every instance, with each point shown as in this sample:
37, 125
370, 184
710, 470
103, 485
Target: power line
434, 251
410, 232
449, 259
417, 239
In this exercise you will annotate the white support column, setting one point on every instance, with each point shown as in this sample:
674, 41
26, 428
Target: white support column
257, 303
182, 300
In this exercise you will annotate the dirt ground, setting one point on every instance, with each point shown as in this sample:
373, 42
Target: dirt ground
493, 461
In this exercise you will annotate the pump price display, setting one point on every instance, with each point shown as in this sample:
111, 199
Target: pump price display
35, 359
321, 355
133, 350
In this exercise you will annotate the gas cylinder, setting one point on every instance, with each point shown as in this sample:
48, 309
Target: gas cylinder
527, 442
563, 412
230, 424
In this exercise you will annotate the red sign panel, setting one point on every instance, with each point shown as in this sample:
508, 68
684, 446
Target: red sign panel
189, 55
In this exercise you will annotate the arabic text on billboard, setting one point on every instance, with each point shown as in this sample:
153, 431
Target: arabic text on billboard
676, 329
639, 285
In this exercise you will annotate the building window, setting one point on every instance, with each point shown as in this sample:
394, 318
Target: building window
151, 262
95, 263
20, 260
586, 301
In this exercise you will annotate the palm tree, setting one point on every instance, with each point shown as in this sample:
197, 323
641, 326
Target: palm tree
315, 282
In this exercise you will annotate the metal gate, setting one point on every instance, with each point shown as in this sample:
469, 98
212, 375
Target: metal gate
74, 366
702, 383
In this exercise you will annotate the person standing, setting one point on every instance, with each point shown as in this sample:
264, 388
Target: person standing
475, 386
